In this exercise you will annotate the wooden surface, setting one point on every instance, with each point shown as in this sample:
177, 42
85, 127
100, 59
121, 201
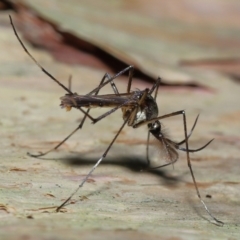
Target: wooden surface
119, 201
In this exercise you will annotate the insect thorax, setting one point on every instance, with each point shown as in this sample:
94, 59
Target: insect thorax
147, 110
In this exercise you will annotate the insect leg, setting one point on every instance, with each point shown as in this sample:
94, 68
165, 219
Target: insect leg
52, 149
191, 170
43, 69
154, 87
79, 126
193, 150
130, 76
64, 140
93, 168
177, 145
112, 78
106, 76
189, 135
70, 83
182, 112
113, 110
147, 149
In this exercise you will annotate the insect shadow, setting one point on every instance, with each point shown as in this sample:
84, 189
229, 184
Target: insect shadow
133, 163
139, 108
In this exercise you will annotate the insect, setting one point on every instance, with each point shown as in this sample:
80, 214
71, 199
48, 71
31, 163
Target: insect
138, 107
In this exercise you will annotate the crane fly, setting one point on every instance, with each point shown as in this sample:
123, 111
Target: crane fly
138, 107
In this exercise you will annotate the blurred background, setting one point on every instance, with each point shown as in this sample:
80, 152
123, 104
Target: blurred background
194, 46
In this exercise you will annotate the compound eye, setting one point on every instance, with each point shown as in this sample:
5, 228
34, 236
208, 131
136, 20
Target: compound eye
154, 126
157, 125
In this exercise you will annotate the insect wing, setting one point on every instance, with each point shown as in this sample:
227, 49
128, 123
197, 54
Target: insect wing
165, 149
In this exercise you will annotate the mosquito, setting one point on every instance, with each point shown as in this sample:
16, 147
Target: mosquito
138, 107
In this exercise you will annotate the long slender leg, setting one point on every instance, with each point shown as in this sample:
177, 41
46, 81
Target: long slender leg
189, 135
86, 114
147, 149
191, 170
82, 122
106, 76
70, 82
84, 118
94, 121
154, 87
43, 69
193, 150
112, 78
56, 147
159, 118
93, 168
182, 112
64, 140
176, 145
112, 110
130, 76
55, 80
